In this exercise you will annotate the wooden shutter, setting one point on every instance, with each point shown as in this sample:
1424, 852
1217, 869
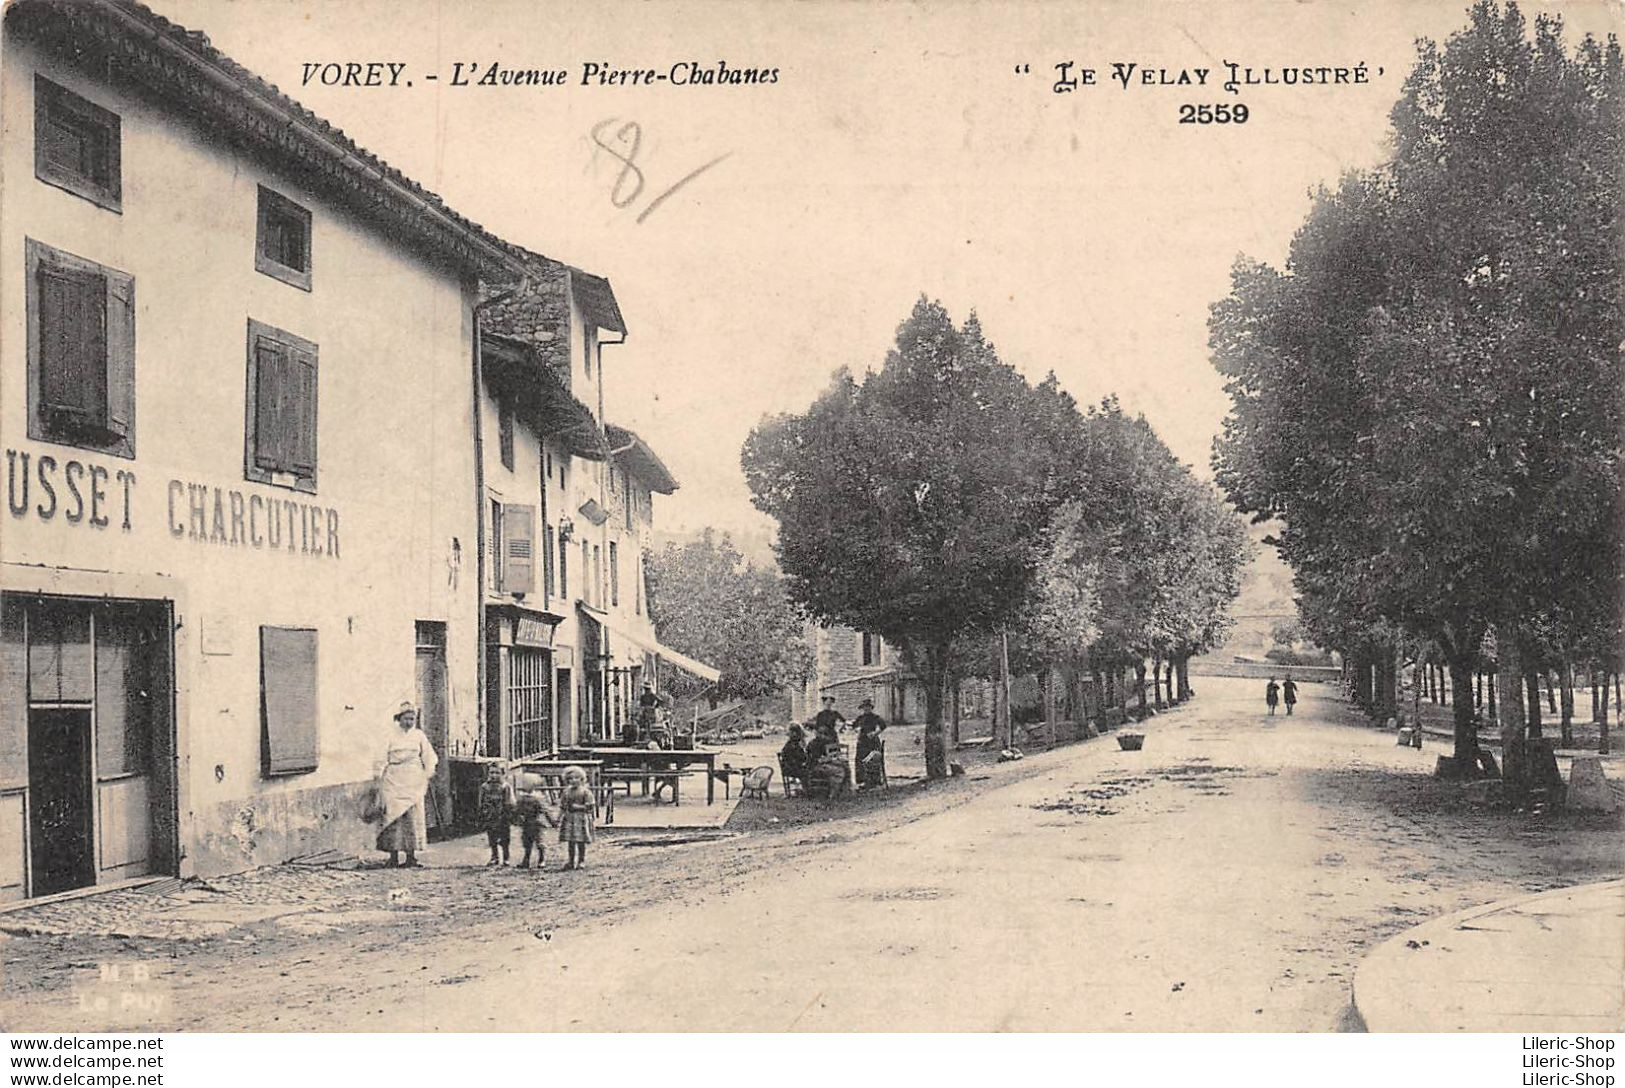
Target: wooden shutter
518, 544
271, 438
72, 343
564, 567
283, 368
547, 561
13, 699
120, 354
290, 740
614, 575
302, 412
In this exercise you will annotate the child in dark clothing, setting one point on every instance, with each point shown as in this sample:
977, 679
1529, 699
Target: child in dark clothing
533, 814
496, 811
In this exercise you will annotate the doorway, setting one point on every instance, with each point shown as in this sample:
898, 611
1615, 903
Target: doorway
565, 694
432, 718
62, 856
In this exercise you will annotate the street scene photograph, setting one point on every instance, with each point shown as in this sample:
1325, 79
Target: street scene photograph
700, 517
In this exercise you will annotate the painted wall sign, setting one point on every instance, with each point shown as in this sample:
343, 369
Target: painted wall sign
46, 486
217, 515
79, 492
530, 631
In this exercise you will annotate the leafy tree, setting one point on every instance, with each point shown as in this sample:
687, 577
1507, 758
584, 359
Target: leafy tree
1413, 395
911, 503
709, 603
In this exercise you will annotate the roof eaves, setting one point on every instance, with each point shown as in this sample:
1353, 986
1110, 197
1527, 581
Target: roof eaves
170, 59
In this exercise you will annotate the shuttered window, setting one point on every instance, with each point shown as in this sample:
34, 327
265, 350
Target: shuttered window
518, 548
282, 397
614, 575
76, 145
282, 242
289, 734
81, 339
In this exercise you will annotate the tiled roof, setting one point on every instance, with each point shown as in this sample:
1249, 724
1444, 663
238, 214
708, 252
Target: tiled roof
640, 459
597, 300
139, 45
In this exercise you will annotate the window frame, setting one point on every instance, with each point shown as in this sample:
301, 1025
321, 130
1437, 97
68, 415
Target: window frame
54, 101
495, 545
290, 478
272, 203
505, 427
118, 351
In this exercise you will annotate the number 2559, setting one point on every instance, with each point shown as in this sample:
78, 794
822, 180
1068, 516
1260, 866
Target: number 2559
1221, 114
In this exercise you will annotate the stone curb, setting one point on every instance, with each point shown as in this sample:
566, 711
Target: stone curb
1383, 1008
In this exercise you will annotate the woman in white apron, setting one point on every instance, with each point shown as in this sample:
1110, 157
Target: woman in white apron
409, 763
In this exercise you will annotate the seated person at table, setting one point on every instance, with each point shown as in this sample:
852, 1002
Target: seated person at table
793, 756
827, 772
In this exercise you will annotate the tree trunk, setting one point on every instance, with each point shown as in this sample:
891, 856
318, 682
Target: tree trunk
1182, 669
1464, 725
1156, 681
1489, 689
1478, 691
1551, 691
1388, 681
1602, 718
1139, 685
1509, 678
1566, 682
953, 689
1532, 682
936, 750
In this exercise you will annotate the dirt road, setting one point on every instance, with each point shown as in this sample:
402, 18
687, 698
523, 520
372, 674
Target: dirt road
1227, 877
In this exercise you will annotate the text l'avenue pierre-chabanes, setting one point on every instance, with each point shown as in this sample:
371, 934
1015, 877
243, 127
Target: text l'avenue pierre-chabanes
483, 73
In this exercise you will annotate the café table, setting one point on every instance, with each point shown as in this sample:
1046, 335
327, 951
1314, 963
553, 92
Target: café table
651, 760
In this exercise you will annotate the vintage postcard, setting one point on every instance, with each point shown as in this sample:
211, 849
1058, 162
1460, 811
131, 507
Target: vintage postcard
759, 517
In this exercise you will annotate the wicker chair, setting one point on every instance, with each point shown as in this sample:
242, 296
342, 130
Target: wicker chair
755, 783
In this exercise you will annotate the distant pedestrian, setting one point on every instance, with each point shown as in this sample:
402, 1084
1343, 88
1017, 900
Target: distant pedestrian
1272, 695
576, 816
1289, 694
534, 814
496, 812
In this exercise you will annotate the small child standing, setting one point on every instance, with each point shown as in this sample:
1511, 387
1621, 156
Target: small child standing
496, 806
533, 813
576, 815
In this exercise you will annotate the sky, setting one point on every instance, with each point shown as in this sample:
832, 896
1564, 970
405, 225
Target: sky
904, 149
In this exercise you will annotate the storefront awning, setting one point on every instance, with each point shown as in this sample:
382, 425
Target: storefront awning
688, 664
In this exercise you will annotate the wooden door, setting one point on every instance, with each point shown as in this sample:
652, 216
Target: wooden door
61, 853
432, 718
